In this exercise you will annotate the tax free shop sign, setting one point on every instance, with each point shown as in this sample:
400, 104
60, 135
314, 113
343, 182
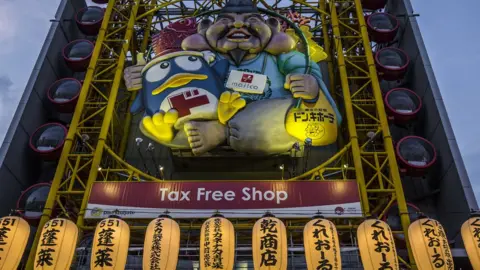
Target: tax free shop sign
242, 199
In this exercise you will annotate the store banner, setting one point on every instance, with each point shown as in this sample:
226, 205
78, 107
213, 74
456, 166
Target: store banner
188, 199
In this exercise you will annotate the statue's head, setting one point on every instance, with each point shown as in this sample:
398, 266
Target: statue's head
240, 30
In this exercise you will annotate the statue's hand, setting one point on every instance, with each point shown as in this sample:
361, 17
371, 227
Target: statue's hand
160, 125
303, 86
133, 76
228, 105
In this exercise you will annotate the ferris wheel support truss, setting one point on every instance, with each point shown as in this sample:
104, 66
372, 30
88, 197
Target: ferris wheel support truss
98, 134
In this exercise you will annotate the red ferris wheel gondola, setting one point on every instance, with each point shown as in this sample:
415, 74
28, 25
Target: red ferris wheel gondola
382, 27
77, 54
64, 94
415, 155
392, 63
373, 4
47, 141
31, 202
402, 104
89, 20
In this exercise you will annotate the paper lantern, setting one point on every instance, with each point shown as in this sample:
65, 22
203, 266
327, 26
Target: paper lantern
322, 248
471, 240
110, 245
376, 245
269, 245
14, 233
56, 246
217, 244
429, 245
162, 244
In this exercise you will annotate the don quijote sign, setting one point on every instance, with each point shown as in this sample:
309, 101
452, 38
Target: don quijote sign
187, 199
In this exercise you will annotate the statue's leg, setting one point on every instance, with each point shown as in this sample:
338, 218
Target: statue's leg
260, 128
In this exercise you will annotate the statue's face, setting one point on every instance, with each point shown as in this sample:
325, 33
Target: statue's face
247, 32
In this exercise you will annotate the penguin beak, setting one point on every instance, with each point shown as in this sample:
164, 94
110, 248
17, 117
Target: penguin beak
178, 80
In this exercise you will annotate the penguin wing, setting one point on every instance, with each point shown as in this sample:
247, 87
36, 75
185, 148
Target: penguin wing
137, 104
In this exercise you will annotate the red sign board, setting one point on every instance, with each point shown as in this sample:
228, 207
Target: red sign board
184, 199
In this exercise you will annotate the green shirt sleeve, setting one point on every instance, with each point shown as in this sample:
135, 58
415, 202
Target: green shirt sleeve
294, 63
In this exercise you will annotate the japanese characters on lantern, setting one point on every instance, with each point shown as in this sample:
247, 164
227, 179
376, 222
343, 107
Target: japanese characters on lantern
377, 246
162, 244
217, 244
471, 240
430, 245
110, 244
57, 244
269, 244
14, 232
322, 247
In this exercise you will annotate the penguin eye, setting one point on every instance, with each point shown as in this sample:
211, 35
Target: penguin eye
164, 65
158, 72
188, 63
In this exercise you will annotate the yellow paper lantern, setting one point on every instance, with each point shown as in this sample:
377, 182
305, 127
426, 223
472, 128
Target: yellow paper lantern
110, 245
471, 240
57, 245
14, 233
316, 121
429, 245
376, 245
322, 248
269, 244
217, 244
162, 244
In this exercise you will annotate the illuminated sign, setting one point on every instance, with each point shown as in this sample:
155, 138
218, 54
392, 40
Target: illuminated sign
231, 198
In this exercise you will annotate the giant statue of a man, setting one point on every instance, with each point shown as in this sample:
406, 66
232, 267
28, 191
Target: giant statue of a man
264, 77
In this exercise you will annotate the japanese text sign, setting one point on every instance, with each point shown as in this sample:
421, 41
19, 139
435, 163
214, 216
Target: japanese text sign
269, 246
376, 245
162, 244
57, 245
430, 245
471, 240
322, 248
110, 245
217, 244
14, 232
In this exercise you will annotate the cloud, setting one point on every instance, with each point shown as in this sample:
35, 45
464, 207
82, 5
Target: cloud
5, 83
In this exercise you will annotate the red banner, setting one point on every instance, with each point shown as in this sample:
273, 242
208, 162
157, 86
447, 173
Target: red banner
184, 199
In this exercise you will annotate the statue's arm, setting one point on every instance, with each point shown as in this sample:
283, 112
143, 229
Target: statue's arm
294, 63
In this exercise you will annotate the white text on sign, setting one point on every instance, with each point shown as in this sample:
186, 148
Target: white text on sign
202, 194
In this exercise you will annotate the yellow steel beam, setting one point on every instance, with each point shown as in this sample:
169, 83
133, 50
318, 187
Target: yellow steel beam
349, 109
60, 172
387, 138
109, 111
143, 48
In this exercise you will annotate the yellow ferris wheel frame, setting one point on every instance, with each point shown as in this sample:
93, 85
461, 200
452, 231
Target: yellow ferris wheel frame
102, 112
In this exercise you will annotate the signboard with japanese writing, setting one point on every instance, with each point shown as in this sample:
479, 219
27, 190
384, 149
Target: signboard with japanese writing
14, 232
316, 121
471, 240
377, 246
236, 199
217, 244
110, 245
430, 245
162, 244
57, 244
269, 244
322, 248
